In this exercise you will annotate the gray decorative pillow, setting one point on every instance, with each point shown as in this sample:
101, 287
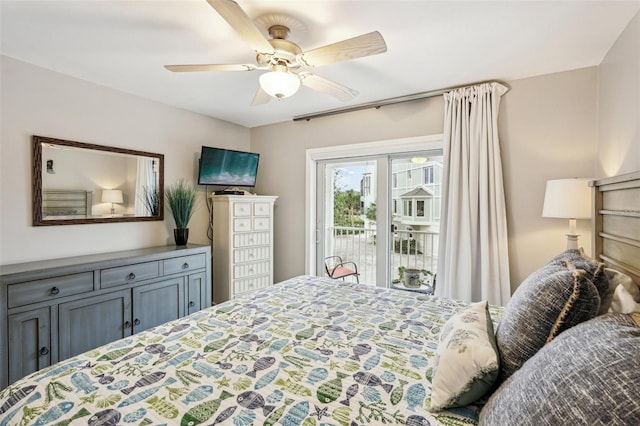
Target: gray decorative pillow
553, 299
466, 364
589, 375
595, 271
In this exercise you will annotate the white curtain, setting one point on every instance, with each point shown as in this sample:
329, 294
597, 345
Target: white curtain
146, 178
473, 259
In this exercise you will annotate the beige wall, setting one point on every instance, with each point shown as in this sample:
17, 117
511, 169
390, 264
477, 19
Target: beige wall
38, 101
547, 129
619, 105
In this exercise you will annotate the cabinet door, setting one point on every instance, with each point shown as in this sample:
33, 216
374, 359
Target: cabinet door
196, 292
88, 323
157, 303
29, 342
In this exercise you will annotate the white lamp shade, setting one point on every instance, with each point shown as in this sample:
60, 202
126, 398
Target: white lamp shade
111, 196
567, 199
279, 84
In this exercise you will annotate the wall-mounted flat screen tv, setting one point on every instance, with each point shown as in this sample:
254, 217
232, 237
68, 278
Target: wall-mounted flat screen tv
226, 167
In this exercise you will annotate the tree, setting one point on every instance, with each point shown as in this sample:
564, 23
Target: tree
346, 208
372, 211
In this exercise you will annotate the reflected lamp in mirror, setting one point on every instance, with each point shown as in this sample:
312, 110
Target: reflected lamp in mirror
568, 199
113, 196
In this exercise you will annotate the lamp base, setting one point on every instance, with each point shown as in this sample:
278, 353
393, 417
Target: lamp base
572, 241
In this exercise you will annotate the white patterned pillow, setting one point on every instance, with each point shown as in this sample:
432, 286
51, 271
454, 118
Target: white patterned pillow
625, 297
466, 363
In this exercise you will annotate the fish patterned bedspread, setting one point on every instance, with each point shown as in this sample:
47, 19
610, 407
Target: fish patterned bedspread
307, 351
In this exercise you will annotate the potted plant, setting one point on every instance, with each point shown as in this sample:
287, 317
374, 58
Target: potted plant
412, 278
150, 200
181, 199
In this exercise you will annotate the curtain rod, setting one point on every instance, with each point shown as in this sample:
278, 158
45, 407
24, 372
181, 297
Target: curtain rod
385, 102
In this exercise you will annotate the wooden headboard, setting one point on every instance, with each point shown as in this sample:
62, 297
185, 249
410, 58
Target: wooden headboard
616, 223
64, 202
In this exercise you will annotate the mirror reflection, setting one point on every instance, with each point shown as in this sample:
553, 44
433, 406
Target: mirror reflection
75, 182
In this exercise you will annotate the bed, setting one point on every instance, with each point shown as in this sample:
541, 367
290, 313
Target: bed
316, 351
66, 203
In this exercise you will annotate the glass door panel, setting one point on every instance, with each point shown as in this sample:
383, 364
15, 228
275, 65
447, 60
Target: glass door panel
349, 216
415, 217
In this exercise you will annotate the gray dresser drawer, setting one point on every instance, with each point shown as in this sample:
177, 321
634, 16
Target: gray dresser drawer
113, 277
184, 264
50, 288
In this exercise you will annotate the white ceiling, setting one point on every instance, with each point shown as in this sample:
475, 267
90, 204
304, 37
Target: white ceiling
431, 45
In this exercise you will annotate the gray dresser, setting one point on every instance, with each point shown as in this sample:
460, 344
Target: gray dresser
55, 309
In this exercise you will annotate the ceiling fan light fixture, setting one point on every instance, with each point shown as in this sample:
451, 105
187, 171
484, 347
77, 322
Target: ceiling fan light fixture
279, 84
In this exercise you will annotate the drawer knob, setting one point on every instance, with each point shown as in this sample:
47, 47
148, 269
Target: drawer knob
192, 304
131, 276
54, 291
136, 321
44, 350
127, 324
185, 265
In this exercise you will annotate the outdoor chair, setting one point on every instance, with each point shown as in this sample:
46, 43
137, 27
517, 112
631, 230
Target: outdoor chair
336, 268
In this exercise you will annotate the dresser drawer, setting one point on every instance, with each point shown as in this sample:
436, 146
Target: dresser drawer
261, 223
262, 209
249, 284
112, 277
250, 254
249, 269
240, 225
184, 264
242, 209
50, 288
252, 239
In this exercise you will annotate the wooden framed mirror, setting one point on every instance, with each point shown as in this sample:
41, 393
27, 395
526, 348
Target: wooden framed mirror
81, 183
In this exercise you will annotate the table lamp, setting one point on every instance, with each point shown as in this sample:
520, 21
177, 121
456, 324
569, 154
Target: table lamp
112, 196
568, 199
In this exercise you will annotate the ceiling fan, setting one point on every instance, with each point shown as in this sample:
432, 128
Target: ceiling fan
284, 60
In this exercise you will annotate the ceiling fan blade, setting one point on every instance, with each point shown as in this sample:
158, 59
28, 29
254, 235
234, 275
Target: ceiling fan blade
210, 67
329, 87
242, 24
356, 47
261, 97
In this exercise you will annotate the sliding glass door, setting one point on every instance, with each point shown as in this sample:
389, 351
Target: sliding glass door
380, 212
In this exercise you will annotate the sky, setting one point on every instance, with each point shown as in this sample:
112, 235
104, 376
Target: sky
351, 177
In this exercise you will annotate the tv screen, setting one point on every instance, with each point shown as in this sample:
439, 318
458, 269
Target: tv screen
227, 167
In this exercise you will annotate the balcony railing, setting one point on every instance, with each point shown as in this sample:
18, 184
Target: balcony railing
410, 249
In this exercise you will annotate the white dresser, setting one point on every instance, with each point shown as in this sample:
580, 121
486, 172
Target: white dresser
242, 246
